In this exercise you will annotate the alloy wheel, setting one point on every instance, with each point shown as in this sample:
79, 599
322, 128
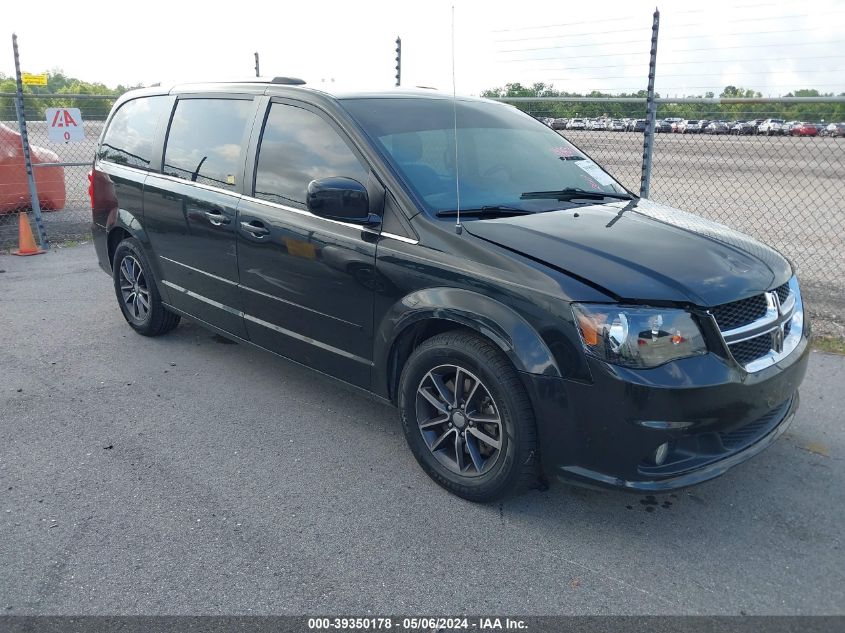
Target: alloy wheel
134, 289
459, 420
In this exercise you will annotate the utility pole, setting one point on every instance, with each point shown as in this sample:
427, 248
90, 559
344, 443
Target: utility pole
398, 61
257, 73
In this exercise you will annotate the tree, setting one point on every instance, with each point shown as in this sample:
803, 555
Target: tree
58, 83
561, 109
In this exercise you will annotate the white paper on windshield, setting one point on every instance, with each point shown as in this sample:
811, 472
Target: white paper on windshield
595, 171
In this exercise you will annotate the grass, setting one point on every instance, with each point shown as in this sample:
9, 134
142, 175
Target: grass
830, 344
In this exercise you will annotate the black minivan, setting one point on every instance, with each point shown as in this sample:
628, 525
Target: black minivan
528, 315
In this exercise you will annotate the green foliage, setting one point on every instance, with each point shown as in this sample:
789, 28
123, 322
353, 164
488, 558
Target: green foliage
814, 112
59, 84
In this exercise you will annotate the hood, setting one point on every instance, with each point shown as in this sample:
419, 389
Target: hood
643, 251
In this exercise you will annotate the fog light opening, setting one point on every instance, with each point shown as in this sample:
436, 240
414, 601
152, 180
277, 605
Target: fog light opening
660, 454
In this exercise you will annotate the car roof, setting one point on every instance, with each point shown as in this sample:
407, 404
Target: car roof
285, 85
290, 87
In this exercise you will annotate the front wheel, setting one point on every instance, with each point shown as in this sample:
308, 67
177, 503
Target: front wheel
137, 293
467, 418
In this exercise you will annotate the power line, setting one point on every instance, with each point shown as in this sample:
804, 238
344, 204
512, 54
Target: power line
548, 26
644, 28
755, 18
557, 57
778, 44
699, 61
626, 17
676, 50
677, 37
549, 48
745, 6
549, 37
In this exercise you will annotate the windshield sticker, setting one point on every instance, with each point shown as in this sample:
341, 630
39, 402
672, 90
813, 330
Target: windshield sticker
595, 171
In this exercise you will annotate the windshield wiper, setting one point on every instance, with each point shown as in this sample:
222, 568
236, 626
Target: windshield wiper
571, 193
489, 210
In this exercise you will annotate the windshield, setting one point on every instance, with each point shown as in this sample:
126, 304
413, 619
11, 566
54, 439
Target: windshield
502, 153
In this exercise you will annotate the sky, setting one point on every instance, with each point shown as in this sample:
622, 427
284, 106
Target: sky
772, 47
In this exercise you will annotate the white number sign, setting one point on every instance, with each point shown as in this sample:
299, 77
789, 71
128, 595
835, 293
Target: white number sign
64, 125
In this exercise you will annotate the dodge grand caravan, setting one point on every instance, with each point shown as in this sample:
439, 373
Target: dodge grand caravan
528, 315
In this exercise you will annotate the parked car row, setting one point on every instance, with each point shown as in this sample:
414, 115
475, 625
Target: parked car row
765, 127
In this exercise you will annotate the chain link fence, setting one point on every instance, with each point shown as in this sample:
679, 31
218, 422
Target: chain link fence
784, 186
61, 178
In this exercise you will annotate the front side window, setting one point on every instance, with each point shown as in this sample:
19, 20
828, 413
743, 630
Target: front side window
129, 138
299, 146
505, 158
204, 142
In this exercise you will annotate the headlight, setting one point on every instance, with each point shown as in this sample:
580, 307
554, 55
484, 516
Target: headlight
637, 337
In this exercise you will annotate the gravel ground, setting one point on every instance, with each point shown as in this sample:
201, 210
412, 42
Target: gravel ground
184, 475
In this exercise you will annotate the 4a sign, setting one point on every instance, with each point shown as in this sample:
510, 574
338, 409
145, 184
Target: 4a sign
64, 124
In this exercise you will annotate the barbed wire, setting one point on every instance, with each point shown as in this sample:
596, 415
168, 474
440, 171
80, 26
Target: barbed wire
665, 38
699, 61
647, 27
625, 17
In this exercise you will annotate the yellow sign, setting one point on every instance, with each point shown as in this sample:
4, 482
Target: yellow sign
34, 80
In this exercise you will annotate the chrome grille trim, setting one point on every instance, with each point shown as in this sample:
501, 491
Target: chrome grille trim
782, 324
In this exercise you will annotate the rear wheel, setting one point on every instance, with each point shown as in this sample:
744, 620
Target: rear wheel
467, 418
137, 293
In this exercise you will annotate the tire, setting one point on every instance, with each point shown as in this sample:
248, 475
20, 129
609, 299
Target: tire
462, 463
137, 292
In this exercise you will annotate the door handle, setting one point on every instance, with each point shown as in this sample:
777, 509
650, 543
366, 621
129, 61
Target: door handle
256, 228
217, 218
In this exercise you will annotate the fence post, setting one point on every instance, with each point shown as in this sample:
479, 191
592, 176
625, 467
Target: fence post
650, 112
33, 191
398, 61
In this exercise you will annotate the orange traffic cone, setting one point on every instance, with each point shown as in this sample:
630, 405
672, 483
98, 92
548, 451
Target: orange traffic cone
26, 241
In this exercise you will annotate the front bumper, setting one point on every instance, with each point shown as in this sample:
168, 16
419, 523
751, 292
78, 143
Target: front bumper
711, 412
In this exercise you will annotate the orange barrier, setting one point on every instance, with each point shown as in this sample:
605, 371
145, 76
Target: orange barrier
14, 190
26, 242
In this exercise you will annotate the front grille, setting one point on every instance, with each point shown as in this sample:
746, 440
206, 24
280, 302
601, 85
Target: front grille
738, 313
746, 351
756, 314
754, 430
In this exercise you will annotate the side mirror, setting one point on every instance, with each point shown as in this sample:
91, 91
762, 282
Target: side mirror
339, 198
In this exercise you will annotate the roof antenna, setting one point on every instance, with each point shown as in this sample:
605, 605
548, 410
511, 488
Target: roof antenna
458, 228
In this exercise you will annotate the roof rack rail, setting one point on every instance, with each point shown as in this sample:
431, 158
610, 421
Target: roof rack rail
288, 81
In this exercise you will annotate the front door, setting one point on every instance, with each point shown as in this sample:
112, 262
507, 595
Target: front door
190, 209
306, 282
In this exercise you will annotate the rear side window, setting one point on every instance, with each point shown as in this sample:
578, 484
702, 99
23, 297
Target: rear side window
130, 135
204, 142
297, 147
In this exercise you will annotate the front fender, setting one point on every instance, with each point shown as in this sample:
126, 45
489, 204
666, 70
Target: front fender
512, 333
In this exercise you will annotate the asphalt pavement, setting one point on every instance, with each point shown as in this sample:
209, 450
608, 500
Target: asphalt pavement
188, 475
